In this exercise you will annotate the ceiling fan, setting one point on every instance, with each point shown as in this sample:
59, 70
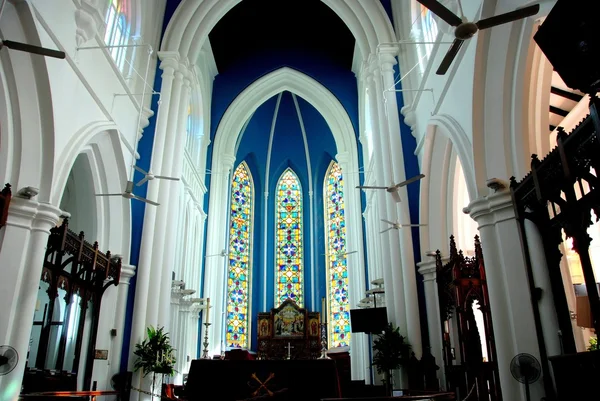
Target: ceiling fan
465, 29
393, 189
397, 225
24, 47
149, 176
128, 194
223, 253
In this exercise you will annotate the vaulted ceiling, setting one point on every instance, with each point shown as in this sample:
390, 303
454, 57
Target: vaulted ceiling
264, 28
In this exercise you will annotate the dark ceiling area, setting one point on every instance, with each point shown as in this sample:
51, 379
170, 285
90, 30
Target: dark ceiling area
257, 27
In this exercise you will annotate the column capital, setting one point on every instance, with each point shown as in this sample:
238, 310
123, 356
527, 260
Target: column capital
227, 161
386, 62
30, 214
491, 209
127, 272
343, 157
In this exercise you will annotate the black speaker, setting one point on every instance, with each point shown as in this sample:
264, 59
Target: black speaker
368, 320
570, 39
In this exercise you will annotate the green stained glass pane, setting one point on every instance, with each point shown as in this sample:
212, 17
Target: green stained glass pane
239, 258
289, 247
339, 307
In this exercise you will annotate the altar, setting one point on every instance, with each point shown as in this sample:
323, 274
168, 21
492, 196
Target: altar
289, 332
229, 380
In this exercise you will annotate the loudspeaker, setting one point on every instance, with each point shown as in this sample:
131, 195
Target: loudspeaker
570, 39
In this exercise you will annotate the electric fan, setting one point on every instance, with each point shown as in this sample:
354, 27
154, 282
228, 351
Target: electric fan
8, 359
525, 369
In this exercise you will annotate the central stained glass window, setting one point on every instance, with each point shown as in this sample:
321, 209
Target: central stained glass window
337, 262
289, 247
240, 266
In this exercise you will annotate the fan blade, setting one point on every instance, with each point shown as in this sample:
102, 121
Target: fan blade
441, 11
42, 51
387, 221
508, 17
449, 57
162, 177
140, 170
142, 181
386, 230
146, 200
396, 196
410, 180
413, 225
370, 187
109, 194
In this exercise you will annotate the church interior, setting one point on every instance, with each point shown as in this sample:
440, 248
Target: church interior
299, 200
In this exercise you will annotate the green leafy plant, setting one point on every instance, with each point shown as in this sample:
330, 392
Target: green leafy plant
391, 352
593, 344
155, 354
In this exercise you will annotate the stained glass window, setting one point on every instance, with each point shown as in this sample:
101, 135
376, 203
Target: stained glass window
117, 31
289, 247
240, 265
337, 263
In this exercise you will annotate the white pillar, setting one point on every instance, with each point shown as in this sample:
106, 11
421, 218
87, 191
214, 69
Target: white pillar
144, 274
510, 298
173, 191
214, 266
539, 268
428, 270
24, 242
127, 272
408, 267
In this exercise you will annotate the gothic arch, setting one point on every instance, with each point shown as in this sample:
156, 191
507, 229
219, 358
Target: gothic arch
26, 110
193, 20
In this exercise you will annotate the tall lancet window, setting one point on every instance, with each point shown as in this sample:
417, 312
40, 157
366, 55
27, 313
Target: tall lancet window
240, 263
289, 244
337, 262
117, 31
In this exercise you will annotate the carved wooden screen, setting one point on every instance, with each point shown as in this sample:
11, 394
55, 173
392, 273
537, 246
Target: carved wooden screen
74, 278
5, 196
462, 286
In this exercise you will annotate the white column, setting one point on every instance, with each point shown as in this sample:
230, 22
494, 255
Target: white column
173, 191
214, 267
409, 279
539, 268
24, 242
428, 270
144, 274
162, 228
389, 251
127, 272
510, 298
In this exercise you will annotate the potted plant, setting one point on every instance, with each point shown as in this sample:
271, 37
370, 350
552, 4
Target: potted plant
155, 354
390, 352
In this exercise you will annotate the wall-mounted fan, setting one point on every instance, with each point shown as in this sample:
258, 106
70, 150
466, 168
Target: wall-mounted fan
9, 357
525, 369
396, 225
128, 194
465, 29
393, 189
24, 47
148, 176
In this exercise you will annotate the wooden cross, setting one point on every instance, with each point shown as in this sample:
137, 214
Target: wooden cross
262, 385
289, 347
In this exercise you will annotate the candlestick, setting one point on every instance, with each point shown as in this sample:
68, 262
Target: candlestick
323, 310
324, 341
205, 343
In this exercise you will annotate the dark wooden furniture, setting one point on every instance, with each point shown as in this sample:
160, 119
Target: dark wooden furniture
576, 375
462, 282
547, 197
288, 325
5, 196
74, 277
230, 380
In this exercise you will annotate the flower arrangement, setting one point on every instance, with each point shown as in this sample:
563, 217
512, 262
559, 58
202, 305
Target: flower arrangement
155, 354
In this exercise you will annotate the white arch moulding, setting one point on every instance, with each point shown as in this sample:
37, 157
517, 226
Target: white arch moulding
26, 108
193, 20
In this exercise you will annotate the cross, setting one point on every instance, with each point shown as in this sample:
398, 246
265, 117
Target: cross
289, 347
262, 385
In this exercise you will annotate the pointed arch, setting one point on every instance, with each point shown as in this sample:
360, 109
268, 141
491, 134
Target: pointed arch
289, 244
337, 261
240, 261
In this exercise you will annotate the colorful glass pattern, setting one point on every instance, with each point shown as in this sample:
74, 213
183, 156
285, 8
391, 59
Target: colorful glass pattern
337, 263
289, 247
240, 241
117, 30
